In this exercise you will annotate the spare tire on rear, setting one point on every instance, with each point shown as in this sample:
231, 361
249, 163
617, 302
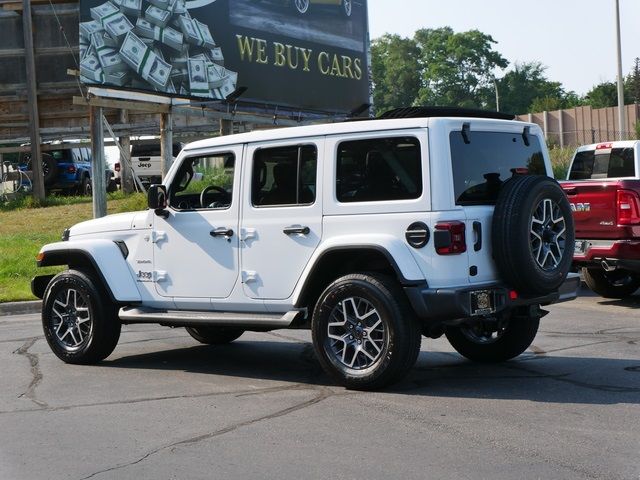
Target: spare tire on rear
533, 234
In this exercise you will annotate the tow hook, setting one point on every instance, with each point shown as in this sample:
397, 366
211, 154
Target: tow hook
608, 267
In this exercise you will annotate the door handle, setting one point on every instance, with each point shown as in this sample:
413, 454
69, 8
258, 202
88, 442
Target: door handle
477, 228
296, 230
222, 232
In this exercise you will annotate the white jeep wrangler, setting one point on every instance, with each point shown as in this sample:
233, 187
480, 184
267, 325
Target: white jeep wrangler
371, 233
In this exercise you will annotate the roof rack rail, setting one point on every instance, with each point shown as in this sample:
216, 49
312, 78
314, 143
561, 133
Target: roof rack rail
423, 112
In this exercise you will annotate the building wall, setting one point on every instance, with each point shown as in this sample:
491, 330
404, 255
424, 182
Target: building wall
583, 125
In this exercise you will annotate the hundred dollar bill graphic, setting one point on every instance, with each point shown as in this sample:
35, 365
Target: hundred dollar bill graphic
131, 7
157, 16
157, 45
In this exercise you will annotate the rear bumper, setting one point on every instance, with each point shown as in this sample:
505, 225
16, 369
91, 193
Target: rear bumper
455, 303
619, 253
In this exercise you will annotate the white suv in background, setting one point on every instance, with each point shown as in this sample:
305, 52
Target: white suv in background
371, 233
146, 161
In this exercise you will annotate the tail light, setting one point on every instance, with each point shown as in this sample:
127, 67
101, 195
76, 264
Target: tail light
449, 238
71, 169
116, 167
628, 207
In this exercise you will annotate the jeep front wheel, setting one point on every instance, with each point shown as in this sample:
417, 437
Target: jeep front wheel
214, 335
364, 332
80, 323
495, 340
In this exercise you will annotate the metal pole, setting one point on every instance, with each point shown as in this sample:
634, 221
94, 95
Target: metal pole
621, 112
126, 175
32, 99
166, 143
98, 165
495, 84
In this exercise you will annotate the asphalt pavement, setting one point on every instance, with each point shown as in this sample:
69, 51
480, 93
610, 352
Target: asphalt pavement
164, 407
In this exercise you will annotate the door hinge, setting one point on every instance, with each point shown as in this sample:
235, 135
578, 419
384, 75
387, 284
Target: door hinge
159, 276
249, 276
158, 236
248, 234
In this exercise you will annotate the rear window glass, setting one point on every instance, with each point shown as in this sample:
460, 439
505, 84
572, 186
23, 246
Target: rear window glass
593, 164
61, 155
379, 169
481, 166
152, 150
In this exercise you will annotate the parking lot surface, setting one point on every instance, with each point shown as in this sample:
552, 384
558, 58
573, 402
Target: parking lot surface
163, 407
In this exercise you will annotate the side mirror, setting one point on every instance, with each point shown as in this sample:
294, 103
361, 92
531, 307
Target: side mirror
157, 200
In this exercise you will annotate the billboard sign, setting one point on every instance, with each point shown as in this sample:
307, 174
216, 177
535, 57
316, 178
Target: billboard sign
298, 54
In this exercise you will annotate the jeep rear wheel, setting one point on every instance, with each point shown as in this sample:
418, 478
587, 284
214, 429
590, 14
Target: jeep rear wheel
533, 234
86, 187
80, 323
616, 284
214, 335
364, 332
494, 340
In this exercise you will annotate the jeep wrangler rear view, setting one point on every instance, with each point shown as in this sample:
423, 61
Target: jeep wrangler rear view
370, 233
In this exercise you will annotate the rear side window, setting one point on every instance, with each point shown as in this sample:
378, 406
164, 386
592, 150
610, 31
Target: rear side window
284, 176
379, 169
594, 164
482, 165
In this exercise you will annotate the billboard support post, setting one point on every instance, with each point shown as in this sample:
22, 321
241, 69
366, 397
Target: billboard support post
32, 102
126, 174
226, 127
98, 167
166, 142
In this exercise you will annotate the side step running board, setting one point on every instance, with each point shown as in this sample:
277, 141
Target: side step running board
181, 318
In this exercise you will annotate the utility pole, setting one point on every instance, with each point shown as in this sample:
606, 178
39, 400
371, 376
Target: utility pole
32, 99
495, 84
621, 109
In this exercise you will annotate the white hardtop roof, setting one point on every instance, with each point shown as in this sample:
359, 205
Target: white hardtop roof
614, 144
332, 129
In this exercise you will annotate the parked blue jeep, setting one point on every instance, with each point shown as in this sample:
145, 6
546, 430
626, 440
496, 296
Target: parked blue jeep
69, 170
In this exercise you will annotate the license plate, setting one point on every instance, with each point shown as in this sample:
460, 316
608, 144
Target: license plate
483, 302
580, 247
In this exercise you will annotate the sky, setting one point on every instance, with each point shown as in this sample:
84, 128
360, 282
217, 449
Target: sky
575, 39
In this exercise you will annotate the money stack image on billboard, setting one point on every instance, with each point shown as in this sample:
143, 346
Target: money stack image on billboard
153, 46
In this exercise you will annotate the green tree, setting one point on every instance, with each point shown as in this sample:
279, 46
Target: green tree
603, 95
632, 83
523, 84
396, 72
456, 68
546, 104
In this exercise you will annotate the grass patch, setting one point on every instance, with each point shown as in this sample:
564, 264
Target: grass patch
26, 227
560, 161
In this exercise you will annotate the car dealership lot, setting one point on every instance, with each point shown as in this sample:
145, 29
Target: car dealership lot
163, 406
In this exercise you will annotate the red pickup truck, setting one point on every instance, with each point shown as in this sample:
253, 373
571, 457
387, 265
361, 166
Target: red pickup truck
603, 186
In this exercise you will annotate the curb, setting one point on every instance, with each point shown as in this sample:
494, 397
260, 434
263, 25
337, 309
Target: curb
20, 308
